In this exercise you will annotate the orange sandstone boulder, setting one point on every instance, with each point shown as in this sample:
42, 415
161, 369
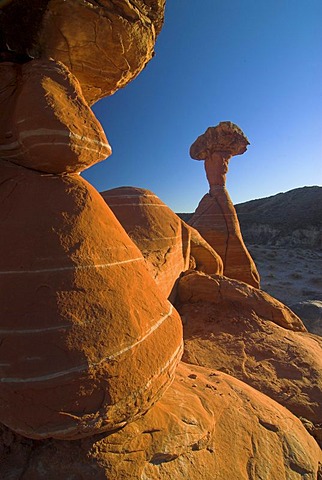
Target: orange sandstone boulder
234, 327
105, 44
207, 425
88, 342
166, 242
47, 124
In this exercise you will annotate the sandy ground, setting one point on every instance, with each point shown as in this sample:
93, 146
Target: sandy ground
290, 275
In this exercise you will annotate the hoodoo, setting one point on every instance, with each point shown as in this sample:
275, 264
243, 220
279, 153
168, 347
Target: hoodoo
215, 217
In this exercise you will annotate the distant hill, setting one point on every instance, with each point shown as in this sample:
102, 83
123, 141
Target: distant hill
292, 218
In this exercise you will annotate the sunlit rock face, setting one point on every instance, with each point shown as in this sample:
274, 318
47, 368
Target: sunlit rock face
207, 425
216, 218
105, 43
47, 124
168, 244
90, 342
231, 326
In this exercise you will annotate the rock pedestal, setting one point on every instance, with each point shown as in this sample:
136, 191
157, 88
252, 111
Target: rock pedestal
90, 342
216, 220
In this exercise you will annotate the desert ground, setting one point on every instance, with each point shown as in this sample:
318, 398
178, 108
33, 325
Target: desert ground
292, 275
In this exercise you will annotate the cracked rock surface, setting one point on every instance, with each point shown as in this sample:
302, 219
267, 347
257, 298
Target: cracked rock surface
104, 43
207, 425
240, 330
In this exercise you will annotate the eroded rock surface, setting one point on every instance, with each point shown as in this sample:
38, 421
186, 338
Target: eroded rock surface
105, 44
216, 147
236, 328
215, 217
207, 425
168, 244
216, 220
89, 343
47, 124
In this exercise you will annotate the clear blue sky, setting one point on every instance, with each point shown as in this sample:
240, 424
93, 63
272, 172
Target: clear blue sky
257, 63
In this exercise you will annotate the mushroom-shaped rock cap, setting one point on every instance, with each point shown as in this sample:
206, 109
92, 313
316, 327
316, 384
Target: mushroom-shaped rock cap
105, 43
226, 137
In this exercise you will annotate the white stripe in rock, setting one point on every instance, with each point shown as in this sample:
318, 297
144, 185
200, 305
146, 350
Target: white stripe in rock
136, 205
151, 330
82, 368
50, 132
90, 422
138, 195
73, 267
34, 330
55, 144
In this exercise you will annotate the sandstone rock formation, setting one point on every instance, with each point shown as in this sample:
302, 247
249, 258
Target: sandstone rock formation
215, 217
47, 124
80, 314
169, 245
78, 353
89, 344
234, 327
105, 44
207, 425
216, 147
